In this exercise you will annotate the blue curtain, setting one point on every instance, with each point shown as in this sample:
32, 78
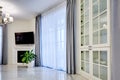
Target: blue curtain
37, 40
70, 42
4, 46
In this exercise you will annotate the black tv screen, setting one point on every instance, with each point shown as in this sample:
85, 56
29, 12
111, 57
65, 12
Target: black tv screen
24, 38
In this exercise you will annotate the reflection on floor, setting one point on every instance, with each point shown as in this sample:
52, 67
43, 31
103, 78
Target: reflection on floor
36, 73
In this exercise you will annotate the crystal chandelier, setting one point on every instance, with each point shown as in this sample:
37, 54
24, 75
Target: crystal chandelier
5, 18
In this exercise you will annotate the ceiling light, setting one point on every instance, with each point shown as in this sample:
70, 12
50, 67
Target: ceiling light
5, 18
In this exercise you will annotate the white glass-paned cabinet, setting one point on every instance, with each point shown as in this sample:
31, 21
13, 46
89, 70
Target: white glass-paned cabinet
95, 39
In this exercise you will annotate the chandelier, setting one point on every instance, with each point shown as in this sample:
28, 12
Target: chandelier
5, 18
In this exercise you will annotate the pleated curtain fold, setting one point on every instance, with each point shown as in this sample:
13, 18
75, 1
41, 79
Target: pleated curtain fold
70, 42
37, 40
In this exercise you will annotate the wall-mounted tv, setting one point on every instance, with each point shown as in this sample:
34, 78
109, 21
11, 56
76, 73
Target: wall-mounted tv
24, 38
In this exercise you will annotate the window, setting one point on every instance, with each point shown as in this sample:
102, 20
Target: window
53, 39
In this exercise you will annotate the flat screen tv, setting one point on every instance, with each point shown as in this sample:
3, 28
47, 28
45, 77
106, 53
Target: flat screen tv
24, 38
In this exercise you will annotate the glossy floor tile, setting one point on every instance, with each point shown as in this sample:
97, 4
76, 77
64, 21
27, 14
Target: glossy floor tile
36, 73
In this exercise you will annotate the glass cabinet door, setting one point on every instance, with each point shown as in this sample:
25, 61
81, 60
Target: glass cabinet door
94, 39
99, 22
85, 61
94, 22
85, 22
100, 64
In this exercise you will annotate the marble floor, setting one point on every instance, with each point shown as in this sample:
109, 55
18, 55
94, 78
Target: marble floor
36, 73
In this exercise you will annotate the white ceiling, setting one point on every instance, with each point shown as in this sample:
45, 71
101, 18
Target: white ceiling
27, 9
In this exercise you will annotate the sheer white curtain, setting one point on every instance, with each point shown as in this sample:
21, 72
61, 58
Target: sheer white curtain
53, 41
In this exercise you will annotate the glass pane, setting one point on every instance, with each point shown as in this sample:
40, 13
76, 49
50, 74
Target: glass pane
87, 56
94, 78
95, 9
96, 70
82, 30
95, 24
87, 67
95, 57
82, 19
62, 35
103, 20
81, 1
82, 66
103, 36
103, 57
103, 5
87, 40
87, 28
103, 73
82, 6
82, 55
82, 40
94, 1
95, 37
86, 4
87, 16
58, 35
82, 11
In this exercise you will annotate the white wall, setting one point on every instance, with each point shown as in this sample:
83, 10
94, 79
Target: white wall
18, 26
